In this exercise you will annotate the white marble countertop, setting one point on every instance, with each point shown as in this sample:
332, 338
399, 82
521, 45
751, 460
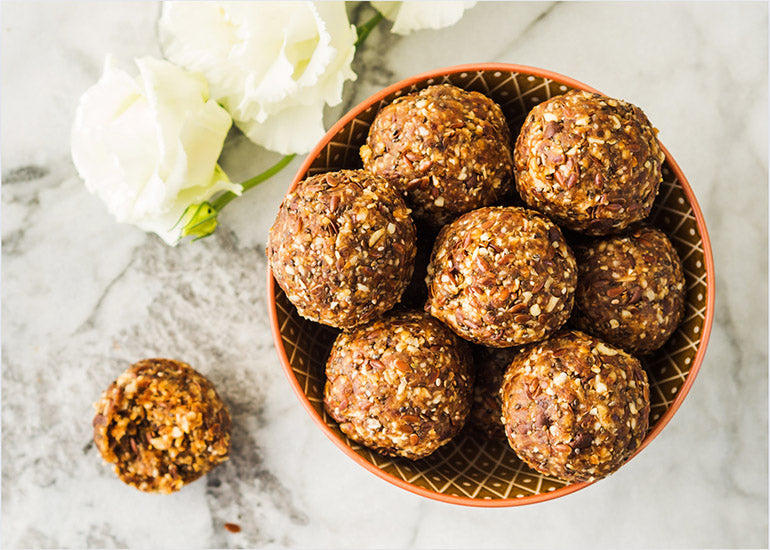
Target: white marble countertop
83, 297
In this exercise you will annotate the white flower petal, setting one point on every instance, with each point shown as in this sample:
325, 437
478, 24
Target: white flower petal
201, 138
388, 9
145, 145
297, 127
264, 58
114, 142
426, 14
343, 40
173, 95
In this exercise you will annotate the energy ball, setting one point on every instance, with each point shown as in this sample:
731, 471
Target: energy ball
162, 425
630, 290
342, 247
447, 149
501, 277
490, 365
575, 407
401, 385
591, 163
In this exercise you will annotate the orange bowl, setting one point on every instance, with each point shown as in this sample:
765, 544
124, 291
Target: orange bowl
470, 469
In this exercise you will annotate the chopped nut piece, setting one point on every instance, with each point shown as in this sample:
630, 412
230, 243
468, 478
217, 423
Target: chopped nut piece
606, 350
375, 237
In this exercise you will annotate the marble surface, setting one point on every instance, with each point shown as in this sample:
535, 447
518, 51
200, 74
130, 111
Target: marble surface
83, 297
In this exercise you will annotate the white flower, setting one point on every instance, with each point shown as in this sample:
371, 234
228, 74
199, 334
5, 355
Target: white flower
272, 65
414, 16
148, 147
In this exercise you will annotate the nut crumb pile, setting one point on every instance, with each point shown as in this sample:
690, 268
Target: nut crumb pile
162, 425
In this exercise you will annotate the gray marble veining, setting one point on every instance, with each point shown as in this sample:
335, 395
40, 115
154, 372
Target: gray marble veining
83, 297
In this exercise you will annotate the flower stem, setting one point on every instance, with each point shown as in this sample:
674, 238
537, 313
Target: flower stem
220, 202
364, 29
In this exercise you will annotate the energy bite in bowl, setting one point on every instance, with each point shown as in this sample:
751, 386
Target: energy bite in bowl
401, 385
490, 365
342, 247
447, 149
162, 425
631, 289
501, 276
575, 407
590, 162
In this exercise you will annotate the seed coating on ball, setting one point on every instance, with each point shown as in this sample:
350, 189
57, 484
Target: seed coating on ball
631, 289
447, 149
342, 247
591, 163
401, 385
575, 407
501, 276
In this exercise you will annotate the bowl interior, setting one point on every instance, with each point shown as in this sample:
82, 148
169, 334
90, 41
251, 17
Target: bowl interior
472, 469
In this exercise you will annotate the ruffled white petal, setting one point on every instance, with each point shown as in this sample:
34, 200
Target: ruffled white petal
145, 145
264, 58
113, 141
295, 127
424, 14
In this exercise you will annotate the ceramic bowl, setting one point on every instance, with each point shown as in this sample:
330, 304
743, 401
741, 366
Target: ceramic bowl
472, 470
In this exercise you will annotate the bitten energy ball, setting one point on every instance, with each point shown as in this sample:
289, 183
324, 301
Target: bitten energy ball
401, 385
630, 289
342, 247
490, 365
591, 163
162, 425
447, 149
575, 407
501, 276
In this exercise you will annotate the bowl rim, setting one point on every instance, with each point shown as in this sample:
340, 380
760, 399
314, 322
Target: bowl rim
468, 501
